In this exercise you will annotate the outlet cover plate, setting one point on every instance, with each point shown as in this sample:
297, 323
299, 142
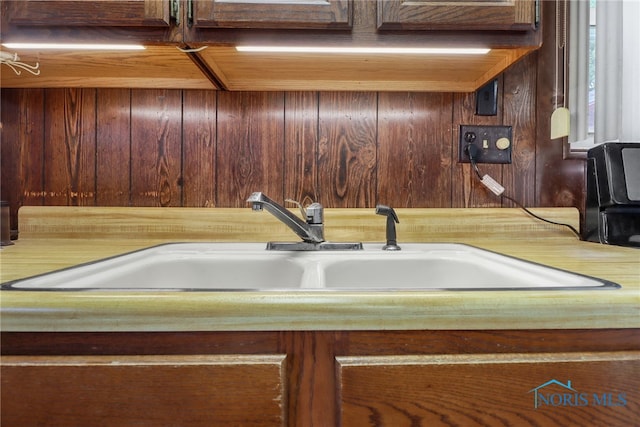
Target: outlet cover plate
494, 143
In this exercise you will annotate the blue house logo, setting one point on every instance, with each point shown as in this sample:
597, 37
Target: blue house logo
555, 393
541, 398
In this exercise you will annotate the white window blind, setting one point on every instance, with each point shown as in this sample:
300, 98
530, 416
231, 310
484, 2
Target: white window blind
617, 80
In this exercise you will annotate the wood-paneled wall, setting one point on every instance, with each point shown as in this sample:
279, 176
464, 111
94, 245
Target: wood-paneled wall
145, 147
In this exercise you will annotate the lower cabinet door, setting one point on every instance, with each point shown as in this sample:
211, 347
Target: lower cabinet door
594, 389
226, 390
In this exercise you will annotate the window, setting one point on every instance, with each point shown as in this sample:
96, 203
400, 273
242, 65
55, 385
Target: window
604, 57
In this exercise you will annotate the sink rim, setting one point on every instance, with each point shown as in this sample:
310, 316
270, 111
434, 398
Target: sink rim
259, 248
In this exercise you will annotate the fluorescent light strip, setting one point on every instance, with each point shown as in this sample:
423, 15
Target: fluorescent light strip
73, 46
364, 50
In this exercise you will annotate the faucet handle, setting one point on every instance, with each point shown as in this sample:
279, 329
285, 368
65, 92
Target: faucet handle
313, 214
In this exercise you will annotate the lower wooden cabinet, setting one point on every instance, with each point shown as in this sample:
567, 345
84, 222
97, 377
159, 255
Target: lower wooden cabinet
555, 378
143, 391
490, 390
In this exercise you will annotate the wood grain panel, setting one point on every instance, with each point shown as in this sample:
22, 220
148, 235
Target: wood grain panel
250, 146
9, 151
558, 181
156, 147
490, 390
274, 14
82, 13
518, 178
434, 14
22, 149
410, 365
143, 390
312, 382
267, 71
414, 149
31, 146
70, 147
113, 147
199, 148
347, 149
301, 147
154, 67
467, 189
367, 343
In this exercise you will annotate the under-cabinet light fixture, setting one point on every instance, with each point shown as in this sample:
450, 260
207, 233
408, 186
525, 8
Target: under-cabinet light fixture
365, 50
73, 46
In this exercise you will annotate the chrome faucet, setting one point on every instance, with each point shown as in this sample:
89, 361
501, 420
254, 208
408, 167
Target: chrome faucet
311, 230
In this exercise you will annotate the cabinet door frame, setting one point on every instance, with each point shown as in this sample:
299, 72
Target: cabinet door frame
111, 13
508, 15
302, 14
557, 389
194, 390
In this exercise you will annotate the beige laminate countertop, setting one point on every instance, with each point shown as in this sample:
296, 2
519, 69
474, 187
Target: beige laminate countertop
56, 237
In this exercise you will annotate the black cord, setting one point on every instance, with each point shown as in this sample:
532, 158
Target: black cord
569, 226
472, 152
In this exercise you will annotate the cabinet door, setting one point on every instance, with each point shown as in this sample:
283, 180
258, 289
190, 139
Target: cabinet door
458, 15
272, 13
225, 390
598, 389
155, 13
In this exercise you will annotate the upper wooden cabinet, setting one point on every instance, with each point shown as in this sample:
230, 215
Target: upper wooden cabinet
328, 14
155, 23
386, 71
108, 21
458, 15
211, 30
154, 13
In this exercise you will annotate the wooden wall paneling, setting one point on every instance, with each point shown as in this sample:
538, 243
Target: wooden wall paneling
347, 149
9, 148
518, 178
21, 150
156, 147
301, 147
70, 147
29, 141
113, 147
467, 190
414, 149
250, 153
559, 181
199, 148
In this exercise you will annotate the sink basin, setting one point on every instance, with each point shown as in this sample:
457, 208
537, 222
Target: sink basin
248, 266
449, 267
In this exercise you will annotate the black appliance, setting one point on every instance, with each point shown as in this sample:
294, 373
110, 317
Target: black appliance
612, 211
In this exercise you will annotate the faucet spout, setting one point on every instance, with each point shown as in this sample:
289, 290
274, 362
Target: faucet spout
311, 230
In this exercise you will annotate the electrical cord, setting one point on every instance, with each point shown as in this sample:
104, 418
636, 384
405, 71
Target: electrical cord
498, 190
